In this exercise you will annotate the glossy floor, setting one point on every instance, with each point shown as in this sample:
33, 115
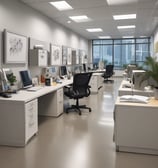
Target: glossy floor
73, 141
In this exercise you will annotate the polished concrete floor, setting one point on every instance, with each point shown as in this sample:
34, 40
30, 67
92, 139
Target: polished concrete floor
73, 141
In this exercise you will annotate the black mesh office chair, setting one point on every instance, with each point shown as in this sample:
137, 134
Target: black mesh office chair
79, 89
108, 73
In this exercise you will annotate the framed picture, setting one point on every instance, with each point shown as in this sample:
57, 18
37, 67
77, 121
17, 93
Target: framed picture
15, 48
69, 56
64, 55
56, 55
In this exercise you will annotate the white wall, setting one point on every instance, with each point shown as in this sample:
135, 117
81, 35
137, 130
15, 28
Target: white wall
17, 17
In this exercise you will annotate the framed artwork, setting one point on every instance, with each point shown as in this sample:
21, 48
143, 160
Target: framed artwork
56, 55
64, 55
69, 56
15, 48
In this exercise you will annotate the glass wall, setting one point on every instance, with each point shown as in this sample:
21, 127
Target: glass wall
121, 52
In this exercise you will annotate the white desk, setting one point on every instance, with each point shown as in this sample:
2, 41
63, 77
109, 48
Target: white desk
19, 114
123, 90
96, 82
136, 127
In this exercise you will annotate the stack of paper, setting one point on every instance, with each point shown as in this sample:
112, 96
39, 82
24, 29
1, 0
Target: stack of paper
134, 98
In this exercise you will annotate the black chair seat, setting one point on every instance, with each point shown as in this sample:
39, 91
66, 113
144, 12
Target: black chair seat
79, 90
108, 73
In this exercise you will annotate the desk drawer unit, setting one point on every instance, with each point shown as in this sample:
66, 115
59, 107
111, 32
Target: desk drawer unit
51, 104
31, 123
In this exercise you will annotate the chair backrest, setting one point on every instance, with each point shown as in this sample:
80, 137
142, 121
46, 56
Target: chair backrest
109, 69
81, 83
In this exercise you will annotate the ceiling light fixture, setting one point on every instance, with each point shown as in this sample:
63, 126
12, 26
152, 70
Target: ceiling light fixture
126, 27
61, 5
120, 2
128, 37
94, 30
82, 18
104, 37
121, 17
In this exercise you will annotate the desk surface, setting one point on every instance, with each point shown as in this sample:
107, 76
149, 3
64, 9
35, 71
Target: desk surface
152, 103
26, 96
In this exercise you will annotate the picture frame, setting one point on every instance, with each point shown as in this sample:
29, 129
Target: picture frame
15, 48
56, 54
64, 55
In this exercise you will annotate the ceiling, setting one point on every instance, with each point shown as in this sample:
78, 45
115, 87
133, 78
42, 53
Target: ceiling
101, 13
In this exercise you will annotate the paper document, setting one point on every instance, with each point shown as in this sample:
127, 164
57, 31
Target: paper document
134, 98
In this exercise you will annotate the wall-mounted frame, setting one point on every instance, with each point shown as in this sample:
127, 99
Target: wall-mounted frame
64, 55
56, 55
15, 48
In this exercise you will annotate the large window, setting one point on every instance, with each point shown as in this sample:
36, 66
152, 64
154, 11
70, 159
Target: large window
121, 52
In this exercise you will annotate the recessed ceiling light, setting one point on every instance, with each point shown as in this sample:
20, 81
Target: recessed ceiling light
69, 21
61, 5
94, 30
120, 2
142, 36
121, 17
126, 27
82, 18
104, 37
128, 37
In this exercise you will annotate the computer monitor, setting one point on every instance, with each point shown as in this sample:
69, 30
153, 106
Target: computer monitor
130, 68
138, 79
26, 79
63, 71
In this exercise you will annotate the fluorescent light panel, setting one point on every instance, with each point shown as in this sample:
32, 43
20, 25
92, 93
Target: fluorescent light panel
120, 2
104, 37
94, 30
121, 17
82, 18
128, 37
61, 5
126, 27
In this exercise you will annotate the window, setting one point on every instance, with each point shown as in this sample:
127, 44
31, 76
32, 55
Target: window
121, 51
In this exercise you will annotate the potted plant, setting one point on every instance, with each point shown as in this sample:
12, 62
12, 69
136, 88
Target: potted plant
151, 71
12, 80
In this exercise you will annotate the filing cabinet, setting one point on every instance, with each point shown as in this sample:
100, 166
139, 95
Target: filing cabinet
51, 104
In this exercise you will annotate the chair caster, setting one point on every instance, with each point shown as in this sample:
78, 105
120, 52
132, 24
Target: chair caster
90, 110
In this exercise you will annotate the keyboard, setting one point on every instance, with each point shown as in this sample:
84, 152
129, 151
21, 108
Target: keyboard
34, 88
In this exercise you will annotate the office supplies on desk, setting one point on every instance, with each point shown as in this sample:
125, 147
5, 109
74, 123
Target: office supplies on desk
34, 88
134, 99
6, 95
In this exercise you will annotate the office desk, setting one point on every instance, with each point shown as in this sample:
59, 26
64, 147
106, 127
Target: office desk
96, 82
124, 90
19, 114
136, 127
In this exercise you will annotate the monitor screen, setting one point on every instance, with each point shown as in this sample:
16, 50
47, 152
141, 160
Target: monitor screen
26, 78
63, 71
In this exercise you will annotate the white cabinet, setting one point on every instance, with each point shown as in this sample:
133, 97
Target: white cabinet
18, 122
136, 127
96, 82
51, 104
31, 113
38, 57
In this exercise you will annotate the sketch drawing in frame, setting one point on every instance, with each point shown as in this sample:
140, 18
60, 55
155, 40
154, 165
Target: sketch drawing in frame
15, 47
64, 55
56, 55
69, 56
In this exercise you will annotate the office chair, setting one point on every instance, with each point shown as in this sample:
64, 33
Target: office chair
108, 73
78, 90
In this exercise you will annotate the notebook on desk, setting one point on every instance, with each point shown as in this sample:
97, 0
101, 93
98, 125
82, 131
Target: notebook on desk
34, 88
